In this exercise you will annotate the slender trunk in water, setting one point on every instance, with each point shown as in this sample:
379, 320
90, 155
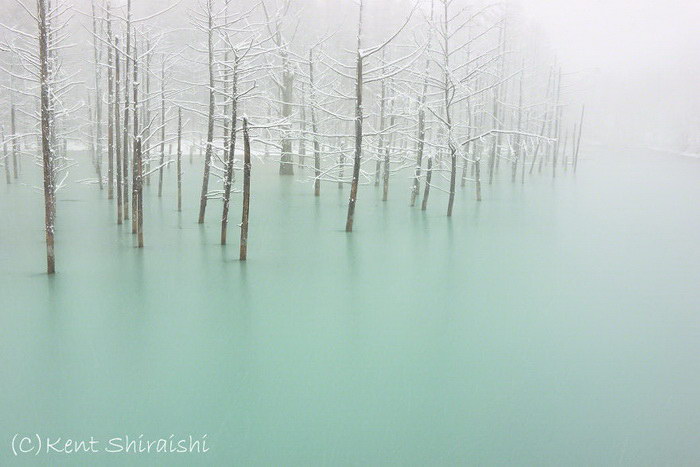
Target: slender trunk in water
314, 128
117, 145
246, 192
428, 178
162, 129
179, 159
138, 157
228, 180
8, 178
46, 150
210, 122
358, 147
110, 111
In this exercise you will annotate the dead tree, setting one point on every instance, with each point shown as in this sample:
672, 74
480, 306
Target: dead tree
125, 127
179, 159
314, 126
162, 128
110, 112
578, 139
415, 189
285, 83
8, 177
15, 139
138, 181
97, 55
46, 149
246, 192
209, 29
228, 180
361, 56
117, 142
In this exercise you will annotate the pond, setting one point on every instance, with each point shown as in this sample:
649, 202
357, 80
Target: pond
554, 323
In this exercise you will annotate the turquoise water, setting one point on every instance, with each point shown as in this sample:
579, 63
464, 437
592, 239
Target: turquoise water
556, 323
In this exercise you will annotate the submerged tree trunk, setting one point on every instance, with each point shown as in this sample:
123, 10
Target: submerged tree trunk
98, 97
382, 116
138, 157
341, 164
15, 142
387, 154
210, 121
428, 178
246, 192
110, 113
46, 150
5, 156
358, 146
179, 159
162, 129
419, 155
286, 162
314, 128
518, 149
477, 177
302, 139
125, 129
578, 140
117, 146
231, 153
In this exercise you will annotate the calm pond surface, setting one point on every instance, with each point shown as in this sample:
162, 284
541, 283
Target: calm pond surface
556, 323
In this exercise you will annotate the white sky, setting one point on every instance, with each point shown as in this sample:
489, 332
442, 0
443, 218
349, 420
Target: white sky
640, 57
621, 35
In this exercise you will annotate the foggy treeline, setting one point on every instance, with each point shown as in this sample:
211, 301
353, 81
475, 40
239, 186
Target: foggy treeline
451, 94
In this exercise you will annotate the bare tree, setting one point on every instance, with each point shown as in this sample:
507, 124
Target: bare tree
246, 192
179, 159
207, 24
46, 149
361, 56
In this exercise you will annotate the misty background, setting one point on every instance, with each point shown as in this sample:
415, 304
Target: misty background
636, 64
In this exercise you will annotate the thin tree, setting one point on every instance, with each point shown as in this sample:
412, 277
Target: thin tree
210, 26
179, 159
46, 149
361, 55
246, 192
117, 142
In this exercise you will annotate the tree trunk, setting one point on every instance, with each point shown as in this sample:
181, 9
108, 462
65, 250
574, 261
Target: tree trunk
125, 130
98, 97
477, 176
382, 116
46, 150
210, 121
15, 141
179, 159
246, 192
162, 129
387, 159
117, 146
231, 153
314, 128
110, 113
419, 155
302, 139
138, 156
518, 149
428, 178
358, 145
286, 162
5, 156
578, 141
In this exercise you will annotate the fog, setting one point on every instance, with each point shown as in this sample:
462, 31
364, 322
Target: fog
636, 62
